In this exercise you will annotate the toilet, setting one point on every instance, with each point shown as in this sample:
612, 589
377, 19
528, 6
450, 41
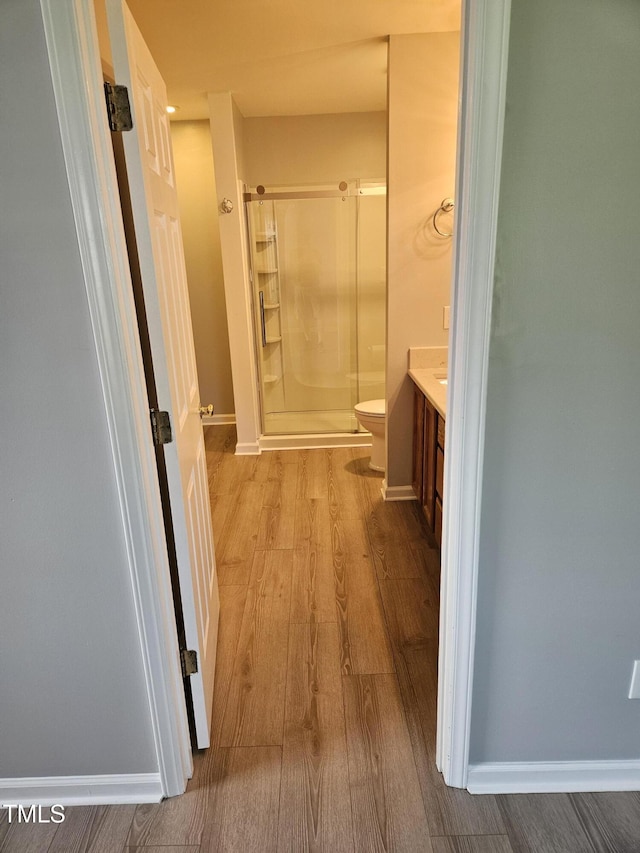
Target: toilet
372, 416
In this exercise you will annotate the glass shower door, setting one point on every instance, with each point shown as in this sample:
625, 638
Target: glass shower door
305, 296
371, 285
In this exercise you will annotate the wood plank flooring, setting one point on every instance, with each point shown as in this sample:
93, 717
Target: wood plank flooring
323, 731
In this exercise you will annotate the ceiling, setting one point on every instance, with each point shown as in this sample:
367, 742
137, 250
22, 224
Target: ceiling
282, 57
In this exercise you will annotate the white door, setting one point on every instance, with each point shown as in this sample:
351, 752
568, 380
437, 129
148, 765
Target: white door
154, 201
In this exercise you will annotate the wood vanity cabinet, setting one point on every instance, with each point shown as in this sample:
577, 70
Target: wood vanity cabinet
428, 460
418, 442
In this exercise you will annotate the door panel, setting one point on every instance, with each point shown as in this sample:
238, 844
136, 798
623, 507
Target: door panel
157, 225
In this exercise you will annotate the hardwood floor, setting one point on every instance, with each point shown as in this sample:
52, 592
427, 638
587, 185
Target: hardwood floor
323, 732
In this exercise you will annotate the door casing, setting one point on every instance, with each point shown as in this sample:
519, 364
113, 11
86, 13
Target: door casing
74, 56
72, 44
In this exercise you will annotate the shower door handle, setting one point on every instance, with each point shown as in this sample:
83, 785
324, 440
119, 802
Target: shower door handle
263, 327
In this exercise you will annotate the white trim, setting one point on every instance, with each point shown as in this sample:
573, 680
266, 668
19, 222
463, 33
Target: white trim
554, 777
484, 54
74, 56
82, 790
397, 493
315, 441
235, 268
248, 449
215, 420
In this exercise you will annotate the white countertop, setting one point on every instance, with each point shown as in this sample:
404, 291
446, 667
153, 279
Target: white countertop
427, 365
427, 380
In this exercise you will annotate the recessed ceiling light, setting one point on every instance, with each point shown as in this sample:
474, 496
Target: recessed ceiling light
171, 109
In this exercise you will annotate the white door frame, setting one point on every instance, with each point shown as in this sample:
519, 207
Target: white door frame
484, 55
77, 81
74, 56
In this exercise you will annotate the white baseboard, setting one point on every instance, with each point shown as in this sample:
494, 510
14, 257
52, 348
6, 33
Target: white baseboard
82, 790
554, 777
217, 420
397, 493
249, 448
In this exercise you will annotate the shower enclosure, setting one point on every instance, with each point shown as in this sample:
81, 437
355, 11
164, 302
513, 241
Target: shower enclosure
318, 267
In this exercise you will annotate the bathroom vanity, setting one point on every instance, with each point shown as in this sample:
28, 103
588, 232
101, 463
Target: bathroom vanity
429, 411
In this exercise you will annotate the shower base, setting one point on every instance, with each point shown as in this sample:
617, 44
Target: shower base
295, 423
310, 441
291, 430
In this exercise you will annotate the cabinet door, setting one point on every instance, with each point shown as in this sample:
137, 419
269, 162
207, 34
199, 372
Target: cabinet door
418, 442
441, 431
437, 522
429, 463
439, 472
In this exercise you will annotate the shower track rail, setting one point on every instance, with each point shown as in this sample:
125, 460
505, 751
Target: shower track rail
348, 191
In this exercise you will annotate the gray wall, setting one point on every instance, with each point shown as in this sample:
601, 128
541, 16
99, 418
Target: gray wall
72, 697
559, 586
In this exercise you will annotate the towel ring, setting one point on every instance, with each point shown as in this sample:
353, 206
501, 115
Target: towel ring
446, 206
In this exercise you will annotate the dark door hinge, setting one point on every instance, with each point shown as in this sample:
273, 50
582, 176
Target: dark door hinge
189, 662
160, 427
118, 107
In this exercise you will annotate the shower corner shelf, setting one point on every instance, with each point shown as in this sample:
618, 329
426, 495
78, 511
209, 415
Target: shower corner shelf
263, 236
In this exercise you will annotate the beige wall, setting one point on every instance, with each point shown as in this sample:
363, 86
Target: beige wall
315, 148
201, 235
423, 101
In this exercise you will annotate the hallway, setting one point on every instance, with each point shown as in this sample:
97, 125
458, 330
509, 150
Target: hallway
323, 734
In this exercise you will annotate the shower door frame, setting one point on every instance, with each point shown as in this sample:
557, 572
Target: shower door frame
354, 188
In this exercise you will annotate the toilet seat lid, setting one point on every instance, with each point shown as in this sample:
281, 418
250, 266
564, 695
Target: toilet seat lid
375, 408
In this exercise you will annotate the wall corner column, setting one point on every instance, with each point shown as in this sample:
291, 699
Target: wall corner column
235, 265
